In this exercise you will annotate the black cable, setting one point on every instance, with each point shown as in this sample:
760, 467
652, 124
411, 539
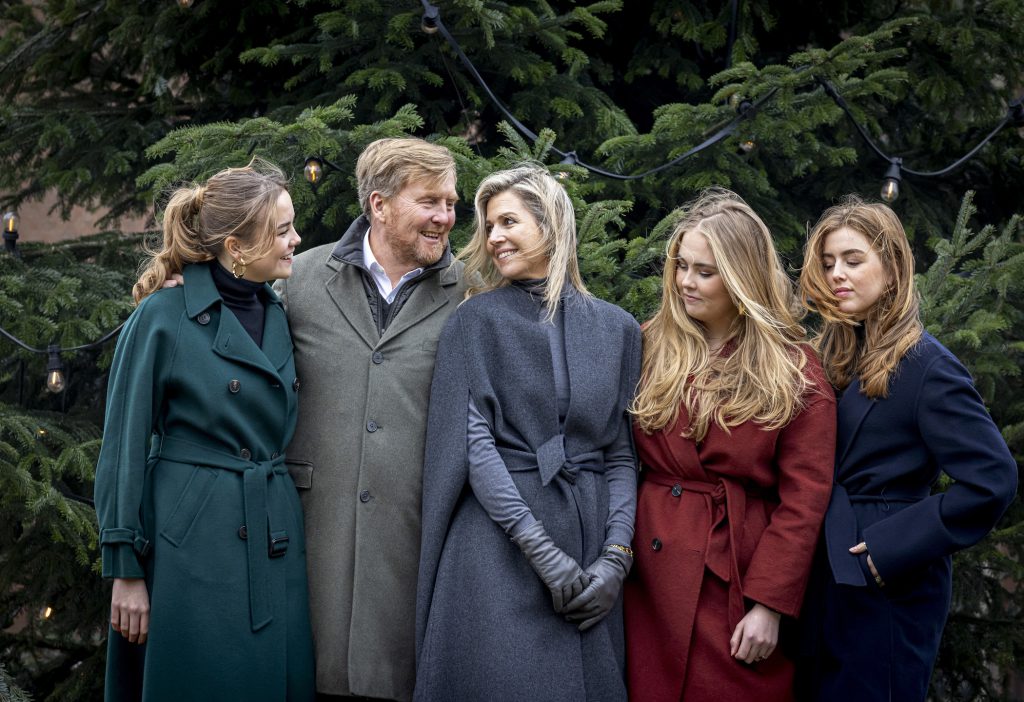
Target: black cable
432, 19
91, 345
831, 91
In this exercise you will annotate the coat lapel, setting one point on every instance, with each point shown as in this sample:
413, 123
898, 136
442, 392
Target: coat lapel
344, 286
424, 301
850, 413
277, 343
234, 343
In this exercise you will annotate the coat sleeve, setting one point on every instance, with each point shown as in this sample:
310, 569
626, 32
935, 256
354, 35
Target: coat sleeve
805, 456
620, 457
134, 398
445, 468
966, 444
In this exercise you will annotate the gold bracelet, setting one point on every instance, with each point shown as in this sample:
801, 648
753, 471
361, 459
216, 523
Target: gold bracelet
624, 549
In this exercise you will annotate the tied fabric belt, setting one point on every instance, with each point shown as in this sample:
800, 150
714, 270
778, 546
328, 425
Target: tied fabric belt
551, 460
262, 544
725, 503
842, 533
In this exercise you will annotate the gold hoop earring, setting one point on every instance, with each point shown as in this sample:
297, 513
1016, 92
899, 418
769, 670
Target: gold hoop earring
238, 268
742, 310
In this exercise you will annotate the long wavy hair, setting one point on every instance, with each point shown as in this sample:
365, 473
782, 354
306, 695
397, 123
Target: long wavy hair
238, 202
762, 379
546, 200
892, 325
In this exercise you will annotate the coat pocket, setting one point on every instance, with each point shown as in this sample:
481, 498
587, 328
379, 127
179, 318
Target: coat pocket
301, 472
193, 498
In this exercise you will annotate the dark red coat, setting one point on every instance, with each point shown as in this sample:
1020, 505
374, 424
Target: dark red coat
720, 525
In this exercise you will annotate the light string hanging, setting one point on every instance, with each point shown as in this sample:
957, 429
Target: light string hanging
55, 380
431, 24
893, 174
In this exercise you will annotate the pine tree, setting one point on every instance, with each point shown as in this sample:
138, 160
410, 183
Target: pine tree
114, 103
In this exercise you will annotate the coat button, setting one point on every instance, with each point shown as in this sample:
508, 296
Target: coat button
365, 496
656, 544
203, 318
245, 454
371, 426
677, 490
243, 533
378, 357
296, 384
234, 386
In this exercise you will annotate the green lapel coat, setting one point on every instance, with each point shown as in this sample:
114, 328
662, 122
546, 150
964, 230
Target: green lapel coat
357, 457
192, 494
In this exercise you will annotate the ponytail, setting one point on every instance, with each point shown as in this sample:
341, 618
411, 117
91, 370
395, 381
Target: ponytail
238, 202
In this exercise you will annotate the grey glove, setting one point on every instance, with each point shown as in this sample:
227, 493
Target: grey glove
606, 576
562, 574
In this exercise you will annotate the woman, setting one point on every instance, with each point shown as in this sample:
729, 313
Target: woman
529, 482
734, 428
908, 409
200, 523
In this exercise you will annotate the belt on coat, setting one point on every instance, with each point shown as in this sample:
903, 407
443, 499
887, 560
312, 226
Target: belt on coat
551, 460
841, 530
262, 544
726, 503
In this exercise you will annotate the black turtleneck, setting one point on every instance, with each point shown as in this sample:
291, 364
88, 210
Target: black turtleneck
244, 298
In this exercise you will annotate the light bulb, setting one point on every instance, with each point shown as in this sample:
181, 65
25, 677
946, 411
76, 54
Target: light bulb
890, 189
747, 145
184, 4
11, 222
314, 170
891, 184
55, 382
429, 21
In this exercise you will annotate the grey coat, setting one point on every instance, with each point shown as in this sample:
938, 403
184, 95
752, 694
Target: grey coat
485, 625
357, 459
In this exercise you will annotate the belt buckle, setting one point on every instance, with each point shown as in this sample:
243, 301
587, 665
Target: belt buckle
278, 544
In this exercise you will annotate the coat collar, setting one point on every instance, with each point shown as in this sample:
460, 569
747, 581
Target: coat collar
231, 340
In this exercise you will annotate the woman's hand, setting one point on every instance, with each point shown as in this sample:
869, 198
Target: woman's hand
860, 548
756, 635
129, 609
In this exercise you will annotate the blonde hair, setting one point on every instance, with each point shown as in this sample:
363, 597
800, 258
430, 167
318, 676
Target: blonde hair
762, 380
546, 200
892, 325
387, 165
238, 202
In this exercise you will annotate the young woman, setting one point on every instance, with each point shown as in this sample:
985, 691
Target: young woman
529, 485
200, 523
908, 409
735, 428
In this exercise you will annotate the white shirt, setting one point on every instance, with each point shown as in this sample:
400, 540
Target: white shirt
379, 276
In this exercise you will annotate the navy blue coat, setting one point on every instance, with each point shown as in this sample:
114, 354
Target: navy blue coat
880, 643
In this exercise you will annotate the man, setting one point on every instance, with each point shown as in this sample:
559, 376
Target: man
365, 316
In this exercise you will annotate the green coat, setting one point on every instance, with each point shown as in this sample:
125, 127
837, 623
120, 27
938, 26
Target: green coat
357, 457
197, 421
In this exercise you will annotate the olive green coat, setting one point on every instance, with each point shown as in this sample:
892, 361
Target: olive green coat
197, 419
358, 450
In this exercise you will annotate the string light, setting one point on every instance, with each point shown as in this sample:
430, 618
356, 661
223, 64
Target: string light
314, 170
431, 23
891, 183
11, 222
56, 381
54, 370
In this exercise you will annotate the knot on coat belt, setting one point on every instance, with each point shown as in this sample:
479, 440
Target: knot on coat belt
551, 461
262, 544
